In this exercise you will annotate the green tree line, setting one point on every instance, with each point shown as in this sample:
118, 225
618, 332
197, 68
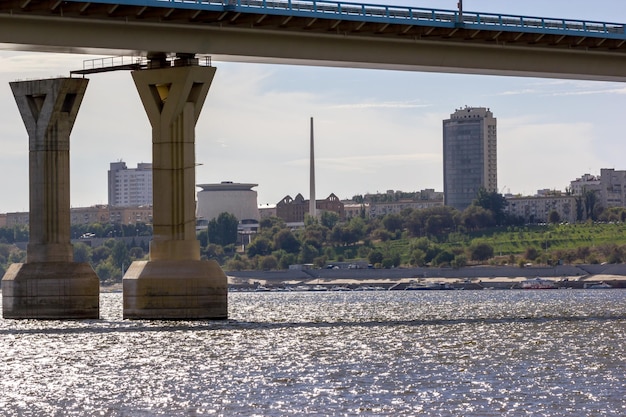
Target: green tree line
439, 236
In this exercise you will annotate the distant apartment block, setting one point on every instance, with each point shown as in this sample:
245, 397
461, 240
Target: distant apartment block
89, 215
352, 209
17, 218
538, 209
395, 207
107, 214
94, 214
130, 215
130, 187
586, 182
469, 155
393, 202
612, 188
609, 186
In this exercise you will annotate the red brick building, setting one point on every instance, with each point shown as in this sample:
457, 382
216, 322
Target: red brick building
293, 210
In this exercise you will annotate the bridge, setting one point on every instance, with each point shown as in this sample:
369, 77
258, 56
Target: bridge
320, 32
173, 83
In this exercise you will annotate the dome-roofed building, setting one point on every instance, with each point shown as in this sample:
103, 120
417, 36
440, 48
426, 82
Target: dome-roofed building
238, 199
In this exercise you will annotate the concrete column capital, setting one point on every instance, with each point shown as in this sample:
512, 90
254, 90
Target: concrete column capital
164, 92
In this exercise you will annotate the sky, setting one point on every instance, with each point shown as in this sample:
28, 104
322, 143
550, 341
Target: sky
375, 130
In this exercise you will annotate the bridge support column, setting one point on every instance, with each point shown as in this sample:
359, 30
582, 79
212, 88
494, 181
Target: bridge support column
50, 285
174, 283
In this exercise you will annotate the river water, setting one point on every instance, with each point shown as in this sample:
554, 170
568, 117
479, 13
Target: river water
386, 353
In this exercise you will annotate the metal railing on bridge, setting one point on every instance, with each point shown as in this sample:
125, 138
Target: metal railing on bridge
389, 14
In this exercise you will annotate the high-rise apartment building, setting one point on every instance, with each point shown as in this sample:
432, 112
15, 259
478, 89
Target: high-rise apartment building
130, 187
469, 155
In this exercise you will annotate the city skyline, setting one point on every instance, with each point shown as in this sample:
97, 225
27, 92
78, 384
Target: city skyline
374, 130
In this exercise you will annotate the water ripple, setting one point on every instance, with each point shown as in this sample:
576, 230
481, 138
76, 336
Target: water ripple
451, 353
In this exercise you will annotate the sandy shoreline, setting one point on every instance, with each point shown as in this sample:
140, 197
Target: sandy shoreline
573, 276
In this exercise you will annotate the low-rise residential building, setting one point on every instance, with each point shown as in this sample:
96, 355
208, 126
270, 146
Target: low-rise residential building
94, 214
17, 219
131, 215
587, 182
352, 209
538, 209
395, 207
393, 202
612, 188
89, 215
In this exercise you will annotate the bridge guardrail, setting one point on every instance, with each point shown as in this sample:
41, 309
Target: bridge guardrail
394, 15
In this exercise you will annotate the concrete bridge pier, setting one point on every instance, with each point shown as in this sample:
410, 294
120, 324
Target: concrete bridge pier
174, 283
50, 285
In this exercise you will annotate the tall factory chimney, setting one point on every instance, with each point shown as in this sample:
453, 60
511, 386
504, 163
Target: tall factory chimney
312, 207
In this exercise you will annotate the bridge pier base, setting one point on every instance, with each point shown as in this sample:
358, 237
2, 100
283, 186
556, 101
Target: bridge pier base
174, 283
50, 285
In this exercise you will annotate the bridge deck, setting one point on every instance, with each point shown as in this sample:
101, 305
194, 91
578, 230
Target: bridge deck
332, 17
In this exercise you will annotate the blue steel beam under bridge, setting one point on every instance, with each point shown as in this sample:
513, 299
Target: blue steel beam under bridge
325, 33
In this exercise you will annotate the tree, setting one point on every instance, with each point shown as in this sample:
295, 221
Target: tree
392, 222
136, 253
286, 260
286, 241
531, 253
375, 257
477, 217
554, 217
223, 229
459, 261
108, 272
580, 209
20, 233
329, 219
314, 234
417, 257
308, 253
387, 263
382, 235
443, 258
356, 230
259, 246
235, 265
591, 200
214, 251
82, 252
100, 253
480, 251
269, 262
493, 201
433, 221
119, 255
203, 237
271, 222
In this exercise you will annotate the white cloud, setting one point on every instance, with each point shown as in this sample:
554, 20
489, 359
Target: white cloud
380, 105
533, 155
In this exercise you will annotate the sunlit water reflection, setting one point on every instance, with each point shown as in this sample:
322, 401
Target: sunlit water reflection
439, 353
